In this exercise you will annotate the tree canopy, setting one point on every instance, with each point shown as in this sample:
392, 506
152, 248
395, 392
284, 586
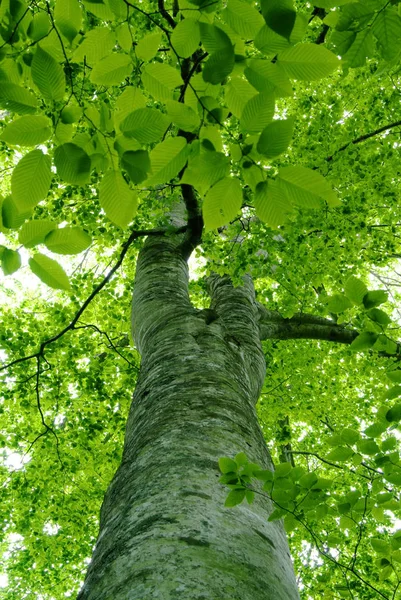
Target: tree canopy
281, 120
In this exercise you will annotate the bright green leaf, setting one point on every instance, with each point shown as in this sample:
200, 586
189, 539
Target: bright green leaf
48, 75
27, 131
72, 163
68, 240
308, 62
30, 179
49, 271
118, 201
34, 232
222, 203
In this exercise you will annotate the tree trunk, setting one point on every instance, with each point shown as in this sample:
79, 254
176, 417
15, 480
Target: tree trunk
164, 531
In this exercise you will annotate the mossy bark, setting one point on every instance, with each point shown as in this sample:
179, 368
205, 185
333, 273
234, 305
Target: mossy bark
164, 531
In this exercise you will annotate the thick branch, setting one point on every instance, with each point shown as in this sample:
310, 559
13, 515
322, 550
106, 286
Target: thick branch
195, 221
273, 326
364, 137
165, 14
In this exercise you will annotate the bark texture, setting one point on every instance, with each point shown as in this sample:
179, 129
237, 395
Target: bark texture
164, 531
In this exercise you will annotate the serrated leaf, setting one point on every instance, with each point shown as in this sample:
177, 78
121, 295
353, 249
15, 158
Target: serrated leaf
49, 271
68, 18
308, 62
17, 99
275, 137
218, 66
269, 42
368, 447
374, 298
362, 46
272, 206
72, 163
30, 180
68, 240
34, 232
147, 125
182, 115
257, 113
375, 430
48, 75
281, 19
111, 70
10, 261
131, 99
98, 43
124, 37
380, 546
39, 26
363, 341
137, 164
237, 93
167, 159
118, 201
306, 188
27, 131
148, 46
227, 465
213, 38
160, 79
185, 38
379, 316
234, 497
338, 303
340, 454
11, 216
222, 203
349, 435
387, 30
394, 376
355, 290
243, 18
205, 170
266, 76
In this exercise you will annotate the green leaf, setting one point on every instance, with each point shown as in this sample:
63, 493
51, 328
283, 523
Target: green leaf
182, 115
241, 459
350, 436
361, 48
306, 188
266, 76
368, 447
148, 46
243, 18
282, 470
275, 138
363, 341
340, 454
227, 465
137, 164
68, 240
375, 430
12, 216
205, 170
160, 79
30, 180
49, 271
185, 38
237, 93
10, 261
394, 376
68, 18
218, 66
374, 298
355, 290
277, 514
269, 42
72, 163
167, 159
27, 131
272, 206
214, 38
380, 546
118, 201
338, 303
222, 203
281, 20
98, 43
17, 99
39, 26
34, 232
387, 30
379, 316
48, 75
147, 125
257, 112
308, 62
393, 392
331, 3
111, 70
234, 497
308, 480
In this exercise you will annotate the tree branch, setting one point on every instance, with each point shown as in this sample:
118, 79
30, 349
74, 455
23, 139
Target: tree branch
364, 137
165, 14
302, 326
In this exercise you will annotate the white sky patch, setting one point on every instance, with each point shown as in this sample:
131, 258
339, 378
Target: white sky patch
195, 265
14, 461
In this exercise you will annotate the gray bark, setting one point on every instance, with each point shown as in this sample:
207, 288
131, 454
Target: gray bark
164, 531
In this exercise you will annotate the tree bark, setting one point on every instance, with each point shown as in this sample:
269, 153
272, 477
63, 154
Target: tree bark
164, 531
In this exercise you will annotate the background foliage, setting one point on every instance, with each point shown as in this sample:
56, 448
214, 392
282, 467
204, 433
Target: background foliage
294, 155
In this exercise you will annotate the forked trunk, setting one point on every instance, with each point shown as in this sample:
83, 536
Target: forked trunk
164, 531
